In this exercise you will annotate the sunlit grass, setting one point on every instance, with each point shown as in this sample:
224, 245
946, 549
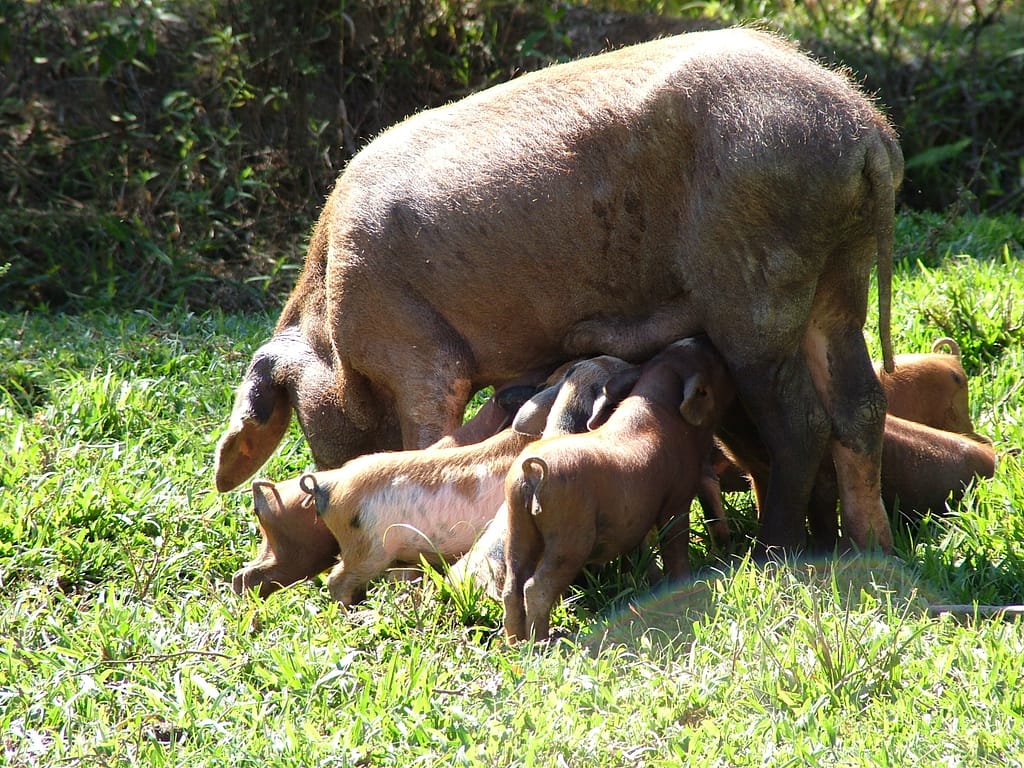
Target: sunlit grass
121, 642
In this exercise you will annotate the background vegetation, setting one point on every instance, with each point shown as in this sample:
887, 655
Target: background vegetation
122, 644
161, 163
178, 151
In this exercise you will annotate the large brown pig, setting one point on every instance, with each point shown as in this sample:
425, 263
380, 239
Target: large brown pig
719, 182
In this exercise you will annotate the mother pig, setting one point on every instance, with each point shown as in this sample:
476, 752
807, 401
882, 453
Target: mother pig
717, 181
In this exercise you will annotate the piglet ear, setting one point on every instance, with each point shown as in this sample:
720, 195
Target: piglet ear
259, 420
698, 402
532, 415
266, 501
615, 390
511, 399
572, 409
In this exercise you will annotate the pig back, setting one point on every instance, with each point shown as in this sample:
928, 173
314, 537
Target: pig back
600, 188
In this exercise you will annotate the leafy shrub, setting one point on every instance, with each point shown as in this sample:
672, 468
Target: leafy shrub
949, 73
167, 150
176, 152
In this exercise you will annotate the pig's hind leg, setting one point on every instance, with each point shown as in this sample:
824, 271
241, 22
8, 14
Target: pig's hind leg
427, 368
348, 579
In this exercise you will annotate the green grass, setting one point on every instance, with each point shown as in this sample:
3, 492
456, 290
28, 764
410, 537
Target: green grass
122, 644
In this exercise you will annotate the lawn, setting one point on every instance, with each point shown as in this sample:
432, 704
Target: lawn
122, 644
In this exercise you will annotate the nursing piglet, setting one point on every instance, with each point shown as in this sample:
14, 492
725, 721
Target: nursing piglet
579, 499
297, 546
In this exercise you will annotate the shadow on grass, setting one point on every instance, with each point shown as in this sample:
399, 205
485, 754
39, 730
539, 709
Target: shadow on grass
673, 615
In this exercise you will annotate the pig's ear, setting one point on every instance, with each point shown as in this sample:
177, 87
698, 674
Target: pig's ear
615, 390
531, 416
259, 420
266, 501
511, 399
698, 402
572, 409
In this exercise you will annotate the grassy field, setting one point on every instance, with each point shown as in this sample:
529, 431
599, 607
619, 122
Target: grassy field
121, 642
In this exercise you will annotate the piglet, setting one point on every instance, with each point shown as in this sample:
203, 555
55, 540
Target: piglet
391, 509
930, 388
579, 499
297, 546
562, 408
925, 469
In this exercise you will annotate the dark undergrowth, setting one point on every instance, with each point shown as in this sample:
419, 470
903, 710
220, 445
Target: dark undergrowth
176, 152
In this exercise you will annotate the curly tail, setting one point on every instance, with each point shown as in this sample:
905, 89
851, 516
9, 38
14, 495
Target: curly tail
535, 473
949, 344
